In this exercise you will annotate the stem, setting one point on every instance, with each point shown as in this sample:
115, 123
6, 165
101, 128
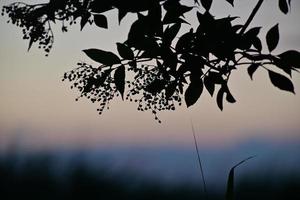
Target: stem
199, 161
249, 63
253, 13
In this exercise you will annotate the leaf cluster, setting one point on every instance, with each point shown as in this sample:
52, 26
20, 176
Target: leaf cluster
167, 62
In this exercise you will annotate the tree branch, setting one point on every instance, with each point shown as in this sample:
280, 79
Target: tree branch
253, 13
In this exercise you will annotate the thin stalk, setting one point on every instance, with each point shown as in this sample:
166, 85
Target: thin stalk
253, 13
199, 161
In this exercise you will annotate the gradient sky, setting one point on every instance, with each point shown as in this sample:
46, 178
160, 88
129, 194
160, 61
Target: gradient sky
40, 111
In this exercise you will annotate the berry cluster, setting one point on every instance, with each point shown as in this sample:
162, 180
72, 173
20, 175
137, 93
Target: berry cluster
35, 20
98, 85
35, 25
152, 85
95, 84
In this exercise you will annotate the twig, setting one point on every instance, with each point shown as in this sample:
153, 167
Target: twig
253, 13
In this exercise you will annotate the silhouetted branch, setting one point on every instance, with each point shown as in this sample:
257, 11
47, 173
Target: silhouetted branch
253, 13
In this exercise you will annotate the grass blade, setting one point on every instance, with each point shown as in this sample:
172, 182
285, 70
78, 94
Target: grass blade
199, 161
230, 181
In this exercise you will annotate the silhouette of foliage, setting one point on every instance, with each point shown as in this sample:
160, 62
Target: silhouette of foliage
167, 64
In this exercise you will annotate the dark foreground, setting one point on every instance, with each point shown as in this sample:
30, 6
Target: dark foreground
35, 178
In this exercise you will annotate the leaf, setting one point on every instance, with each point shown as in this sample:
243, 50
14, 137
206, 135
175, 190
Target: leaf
272, 37
103, 57
230, 1
99, 6
290, 58
230, 180
121, 15
209, 85
216, 77
257, 44
170, 33
174, 11
193, 92
220, 98
30, 43
119, 78
184, 41
206, 4
101, 21
229, 96
84, 19
252, 68
253, 32
284, 7
250, 38
281, 81
125, 52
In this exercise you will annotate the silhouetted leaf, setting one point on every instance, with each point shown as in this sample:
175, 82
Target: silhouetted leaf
172, 17
101, 21
193, 92
230, 1
216, 77
170, 33
257, 44
99, 6
30, 43
220, 96
169, 57
229, 96
141, 35
104, 57
290, 58
253, 32
252, 68
249, 38
281, 81
119, 78
174, 11
122, 14
84, 19
155, 15
125, 52
206, 4
184, 41
284, 7
209, 85
272, 37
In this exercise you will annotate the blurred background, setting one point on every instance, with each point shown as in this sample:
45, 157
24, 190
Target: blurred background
51, 145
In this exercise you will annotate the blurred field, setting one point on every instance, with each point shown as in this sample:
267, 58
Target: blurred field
38, 177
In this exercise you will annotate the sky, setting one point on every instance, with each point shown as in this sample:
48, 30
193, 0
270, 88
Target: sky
39, 112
